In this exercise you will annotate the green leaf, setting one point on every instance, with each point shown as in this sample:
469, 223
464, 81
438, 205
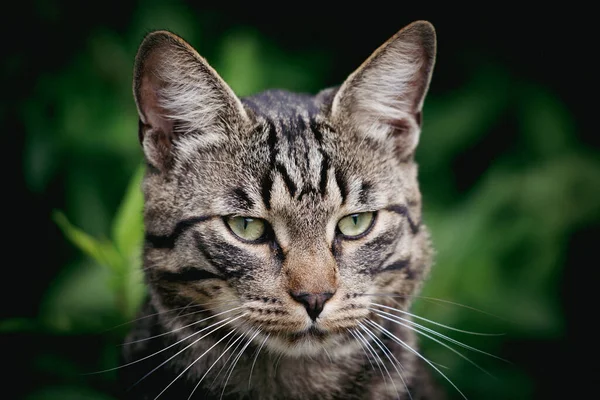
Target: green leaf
101, 251
86, 243
80, 300
128, 225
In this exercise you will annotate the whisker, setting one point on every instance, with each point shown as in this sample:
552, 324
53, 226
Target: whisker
277, 363
237, 359
158, 352
180, 328
402, 343
443, 344
157, 313
362, 346
214, 363
376, 357
256, 357
206, 309
195, 361
232, 354
438, 334
327, 353
387, 353
434, 299
437, 323
228, 321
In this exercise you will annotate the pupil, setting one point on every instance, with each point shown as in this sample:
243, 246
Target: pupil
245, 223
355, 219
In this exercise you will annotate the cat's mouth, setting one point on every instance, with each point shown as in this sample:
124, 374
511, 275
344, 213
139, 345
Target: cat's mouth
311, 333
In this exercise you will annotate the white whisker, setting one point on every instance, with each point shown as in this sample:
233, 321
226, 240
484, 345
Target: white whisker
406, 346
443, 344
237, 359
159, 313
194, 362
376, 357
396, 319
227, 321
434, 299
214, 363
328, 355
158, 352
362, 346
182, 327
232, 354
255, 358
387, 353
437, 323
277, 362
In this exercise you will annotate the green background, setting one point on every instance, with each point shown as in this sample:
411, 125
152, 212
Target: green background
509, 172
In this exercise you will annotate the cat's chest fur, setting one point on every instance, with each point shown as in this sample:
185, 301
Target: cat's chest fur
284, 242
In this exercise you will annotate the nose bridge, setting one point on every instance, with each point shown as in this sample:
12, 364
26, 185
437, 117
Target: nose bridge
310, 268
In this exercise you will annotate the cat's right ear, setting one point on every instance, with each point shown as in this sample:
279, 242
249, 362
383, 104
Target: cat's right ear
177, 93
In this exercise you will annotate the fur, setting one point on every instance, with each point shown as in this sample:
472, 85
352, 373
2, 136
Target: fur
301, 163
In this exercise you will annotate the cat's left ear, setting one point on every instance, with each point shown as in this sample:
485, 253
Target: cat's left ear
384, 97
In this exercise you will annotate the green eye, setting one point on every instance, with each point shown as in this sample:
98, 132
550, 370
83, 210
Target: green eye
246, 228
354, 225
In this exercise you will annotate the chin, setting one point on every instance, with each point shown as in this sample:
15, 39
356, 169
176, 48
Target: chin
312, 342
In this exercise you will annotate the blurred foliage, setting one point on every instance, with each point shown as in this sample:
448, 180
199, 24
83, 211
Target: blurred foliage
500, 242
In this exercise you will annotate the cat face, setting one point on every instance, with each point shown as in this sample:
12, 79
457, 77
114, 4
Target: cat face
282, 215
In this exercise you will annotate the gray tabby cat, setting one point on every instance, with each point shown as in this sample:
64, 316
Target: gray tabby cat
284, 242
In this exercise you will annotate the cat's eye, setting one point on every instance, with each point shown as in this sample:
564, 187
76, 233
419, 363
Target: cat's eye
356, 225
246, 228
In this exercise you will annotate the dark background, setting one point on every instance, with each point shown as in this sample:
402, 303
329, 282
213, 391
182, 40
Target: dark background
547, 49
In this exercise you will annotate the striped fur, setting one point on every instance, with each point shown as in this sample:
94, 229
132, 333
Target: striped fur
301, 163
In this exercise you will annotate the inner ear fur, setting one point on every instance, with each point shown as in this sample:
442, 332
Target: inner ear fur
384, 97
178, 93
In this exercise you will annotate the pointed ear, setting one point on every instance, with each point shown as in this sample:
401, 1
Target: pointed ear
384, 97
177, 94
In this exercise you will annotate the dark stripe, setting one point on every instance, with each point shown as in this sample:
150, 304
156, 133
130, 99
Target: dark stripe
314, 127
223, 257
272, 140
396, 265
187, 274
242, 198
324, 169
301, 124
402, 210
375, 253
267, 181
168, 241
363, 194
341, 182
305, 191
140, 131
392, 251
151, 169
286, 178
266, 185
277, 251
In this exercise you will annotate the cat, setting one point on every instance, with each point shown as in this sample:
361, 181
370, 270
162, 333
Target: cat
284, 241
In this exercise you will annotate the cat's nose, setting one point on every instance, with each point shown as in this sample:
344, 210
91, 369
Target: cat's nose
313, 302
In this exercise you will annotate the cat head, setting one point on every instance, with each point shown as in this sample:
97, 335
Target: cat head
283, 214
